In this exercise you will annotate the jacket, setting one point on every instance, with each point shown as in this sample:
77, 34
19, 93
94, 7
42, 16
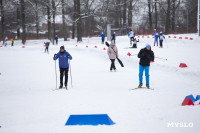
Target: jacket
112, 52
102, 36
146, 56
63, 59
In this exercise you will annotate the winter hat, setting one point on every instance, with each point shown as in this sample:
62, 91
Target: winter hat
154, 29
148, 45
62, 47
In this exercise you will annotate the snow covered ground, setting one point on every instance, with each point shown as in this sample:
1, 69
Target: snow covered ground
28, 103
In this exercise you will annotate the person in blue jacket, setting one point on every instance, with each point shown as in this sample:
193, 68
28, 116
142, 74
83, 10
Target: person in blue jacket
155, 34
102, 38
56, 38
63, 57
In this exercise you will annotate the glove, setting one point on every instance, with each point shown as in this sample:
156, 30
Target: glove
55, 55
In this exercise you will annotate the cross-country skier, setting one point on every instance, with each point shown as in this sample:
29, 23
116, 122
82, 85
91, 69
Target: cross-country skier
46, 46
12, 41
56, 38
131, 36
102, 37
5, 41
113, 54
161, 38
135, 43
113, 37
146, 55
63, 56
155, 34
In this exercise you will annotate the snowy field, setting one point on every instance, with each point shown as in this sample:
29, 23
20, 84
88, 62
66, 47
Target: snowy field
28, 103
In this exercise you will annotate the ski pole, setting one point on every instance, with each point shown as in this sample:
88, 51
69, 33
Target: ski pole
166, 43
155, 57
70, 72
161, 58
56, 74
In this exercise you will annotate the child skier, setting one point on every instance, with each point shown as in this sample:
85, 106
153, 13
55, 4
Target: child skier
161, 38
63, 56
131, 36
46, 46
102, 38
5, 41
12, 41
146, 55
113, 54
155, 34
135, 43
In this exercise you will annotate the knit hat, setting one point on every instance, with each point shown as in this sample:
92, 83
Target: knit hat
62, 47
148, 45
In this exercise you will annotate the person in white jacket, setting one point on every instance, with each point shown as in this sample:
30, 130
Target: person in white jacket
131, 36
113, 54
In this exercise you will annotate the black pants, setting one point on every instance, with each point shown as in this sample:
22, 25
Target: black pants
161, 43
112, 64
102, 40
64, 71
46, 50
113, 40
12, 43
56, 41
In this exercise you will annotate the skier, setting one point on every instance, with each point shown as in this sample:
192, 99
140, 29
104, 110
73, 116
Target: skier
46, 46
155, 34
56, 38
5, 41
102, 38
12, 41
161, 38
135, 43
113, 37
146, 55
131, 36
63, 56
113, 54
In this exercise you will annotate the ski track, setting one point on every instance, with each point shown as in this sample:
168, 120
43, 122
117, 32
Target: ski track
28, 103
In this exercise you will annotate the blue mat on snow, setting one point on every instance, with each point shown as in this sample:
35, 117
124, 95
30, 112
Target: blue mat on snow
197, 97
91, 119
191, 97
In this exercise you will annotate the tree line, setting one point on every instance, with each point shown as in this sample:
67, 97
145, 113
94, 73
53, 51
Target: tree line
35, 19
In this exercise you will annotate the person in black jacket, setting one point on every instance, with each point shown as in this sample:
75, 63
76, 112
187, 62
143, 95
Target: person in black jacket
146, 55
46, 46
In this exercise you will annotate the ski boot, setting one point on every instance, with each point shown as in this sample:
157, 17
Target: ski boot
60, 87
140, 85
147, 85
66, 87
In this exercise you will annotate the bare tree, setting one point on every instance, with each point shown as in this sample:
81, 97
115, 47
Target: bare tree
23, 22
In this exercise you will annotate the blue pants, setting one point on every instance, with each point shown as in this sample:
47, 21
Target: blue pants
141, 70
156, 41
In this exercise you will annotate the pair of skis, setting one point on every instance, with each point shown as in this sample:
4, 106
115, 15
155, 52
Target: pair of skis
138, 88
63, 88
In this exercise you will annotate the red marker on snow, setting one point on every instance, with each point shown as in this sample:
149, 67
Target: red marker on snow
129, 54
104, 48
183, 65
